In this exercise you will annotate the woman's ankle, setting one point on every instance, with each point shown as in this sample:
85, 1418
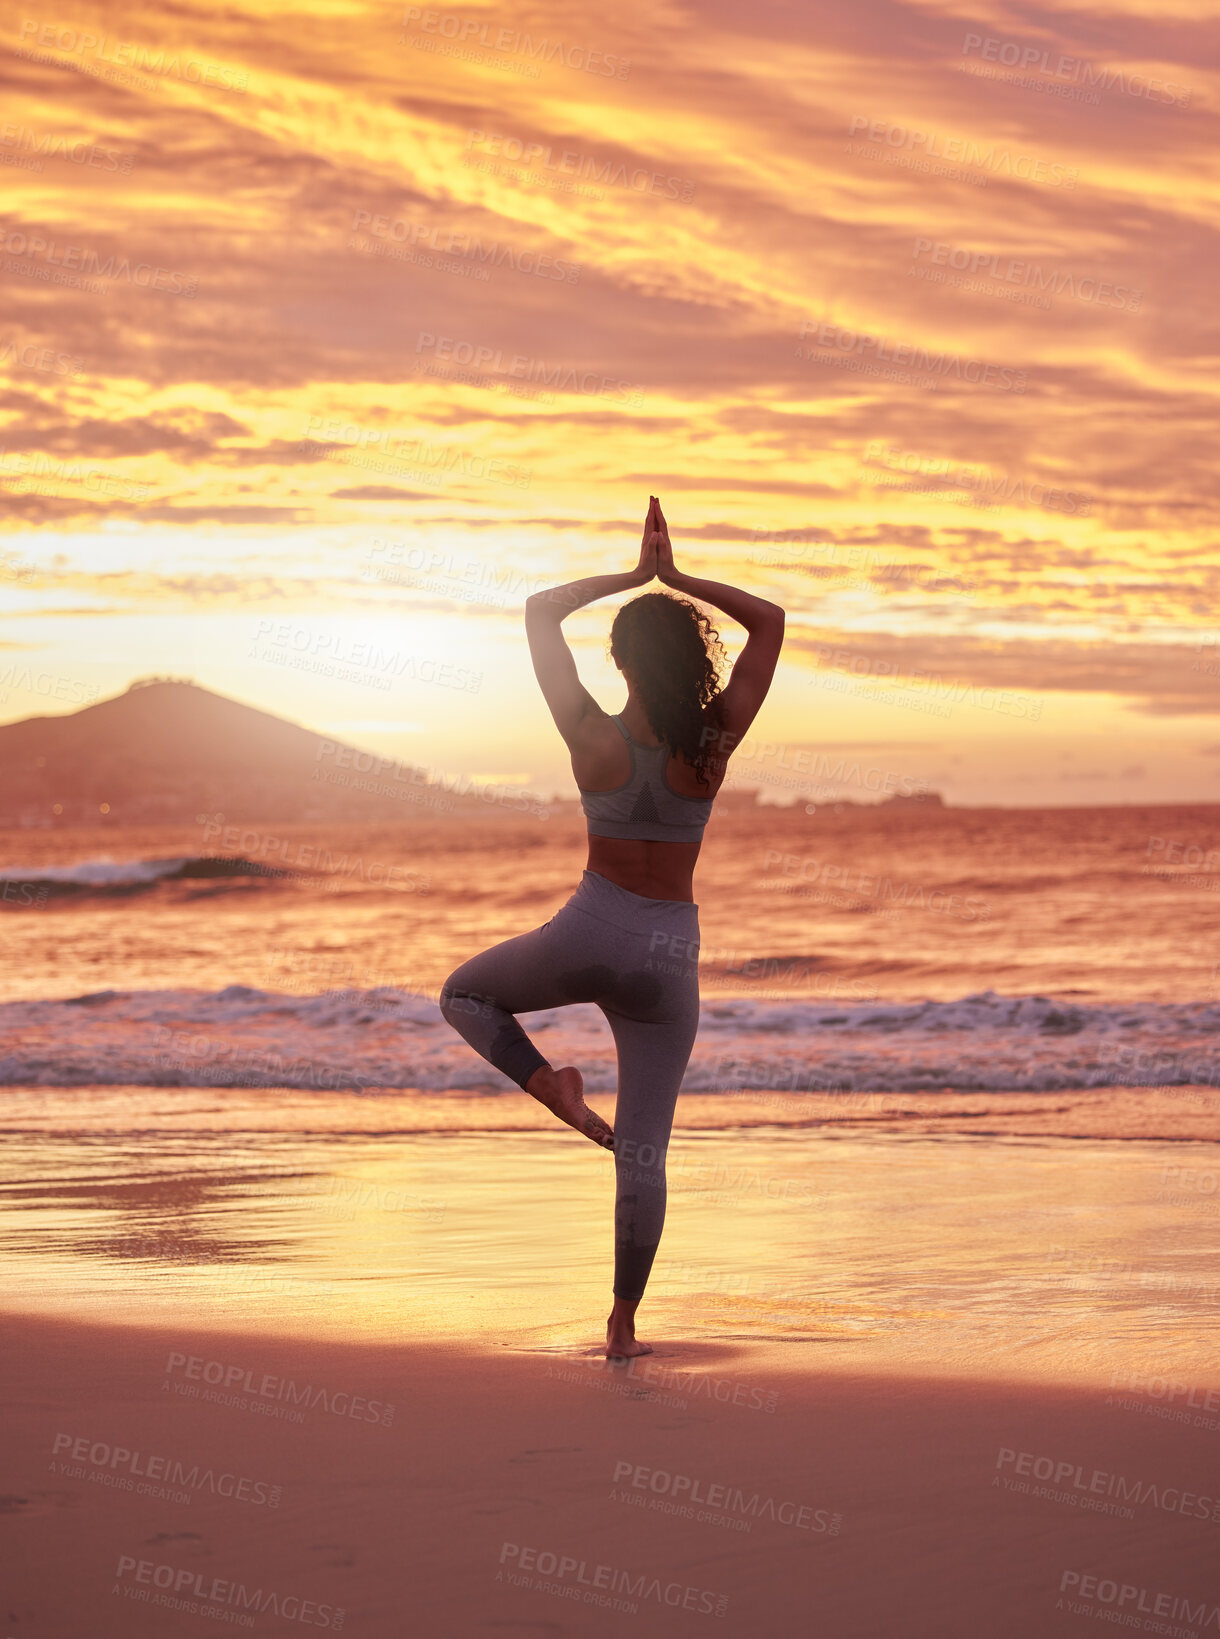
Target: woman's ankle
540, 1078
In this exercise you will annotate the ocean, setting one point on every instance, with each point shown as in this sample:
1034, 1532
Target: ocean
899, 947
230, 1099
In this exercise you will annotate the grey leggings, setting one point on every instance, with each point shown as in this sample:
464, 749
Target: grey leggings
638, 960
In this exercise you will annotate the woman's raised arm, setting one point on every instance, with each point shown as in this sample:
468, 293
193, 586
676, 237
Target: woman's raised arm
743, 607
739, 702
555, 602
570, 703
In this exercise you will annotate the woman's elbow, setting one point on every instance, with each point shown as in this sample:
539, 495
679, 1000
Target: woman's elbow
544, 607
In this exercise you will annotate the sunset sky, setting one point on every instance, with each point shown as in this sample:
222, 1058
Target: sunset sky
331, 333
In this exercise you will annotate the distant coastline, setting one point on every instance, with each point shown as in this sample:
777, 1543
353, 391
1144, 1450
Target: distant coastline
170, 752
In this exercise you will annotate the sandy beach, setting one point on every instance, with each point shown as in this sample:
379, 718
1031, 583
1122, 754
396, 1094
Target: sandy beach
912, 1377
718, 1488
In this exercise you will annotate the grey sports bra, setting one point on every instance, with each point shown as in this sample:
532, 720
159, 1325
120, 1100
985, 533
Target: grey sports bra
646, 808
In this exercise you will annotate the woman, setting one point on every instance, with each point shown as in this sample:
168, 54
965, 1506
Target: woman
628, 938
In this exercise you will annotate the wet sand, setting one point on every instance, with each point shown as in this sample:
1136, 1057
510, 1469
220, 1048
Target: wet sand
1173, 1114
897, 1231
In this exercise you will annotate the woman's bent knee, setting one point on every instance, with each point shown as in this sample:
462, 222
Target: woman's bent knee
455, 1001
459, 1004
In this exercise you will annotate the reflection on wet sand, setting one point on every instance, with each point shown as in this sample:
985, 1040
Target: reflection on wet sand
1058, 1257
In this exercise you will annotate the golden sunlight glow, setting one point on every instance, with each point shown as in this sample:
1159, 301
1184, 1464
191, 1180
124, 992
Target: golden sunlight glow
341, 332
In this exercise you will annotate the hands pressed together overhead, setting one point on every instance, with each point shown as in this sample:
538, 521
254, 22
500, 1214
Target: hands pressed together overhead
555, 668
656, 553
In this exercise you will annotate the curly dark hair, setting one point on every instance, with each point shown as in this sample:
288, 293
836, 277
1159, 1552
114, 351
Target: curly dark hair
673, 653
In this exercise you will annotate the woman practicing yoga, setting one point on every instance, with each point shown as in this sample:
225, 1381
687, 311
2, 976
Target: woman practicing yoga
628, 938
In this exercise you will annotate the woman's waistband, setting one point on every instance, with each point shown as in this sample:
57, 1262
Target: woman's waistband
632, 911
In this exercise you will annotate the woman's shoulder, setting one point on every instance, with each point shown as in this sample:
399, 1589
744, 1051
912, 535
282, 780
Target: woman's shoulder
599, 751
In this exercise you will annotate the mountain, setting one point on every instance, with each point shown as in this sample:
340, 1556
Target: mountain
169, 752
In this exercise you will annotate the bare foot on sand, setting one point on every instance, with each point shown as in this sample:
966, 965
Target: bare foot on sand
621, 1341
562, 1091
